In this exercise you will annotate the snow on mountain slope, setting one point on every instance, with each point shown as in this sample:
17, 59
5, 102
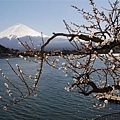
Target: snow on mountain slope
18, 31
8, 38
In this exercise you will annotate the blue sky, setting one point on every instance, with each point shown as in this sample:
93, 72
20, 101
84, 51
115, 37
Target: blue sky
42, 15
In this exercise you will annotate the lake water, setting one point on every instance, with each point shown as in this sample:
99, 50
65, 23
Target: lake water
52, 102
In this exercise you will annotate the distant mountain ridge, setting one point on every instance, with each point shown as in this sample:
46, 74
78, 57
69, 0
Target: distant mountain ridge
6, 52
4, 49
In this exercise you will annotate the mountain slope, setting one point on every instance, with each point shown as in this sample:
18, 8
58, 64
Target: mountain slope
8, 38
18, 31
4, 49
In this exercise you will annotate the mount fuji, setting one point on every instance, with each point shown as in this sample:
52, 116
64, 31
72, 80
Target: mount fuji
18, 31
8, 38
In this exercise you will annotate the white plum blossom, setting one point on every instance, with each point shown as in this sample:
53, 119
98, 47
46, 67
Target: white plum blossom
25, 58
21, 71
118, 36
78, 64
111, 39
17, 65
111, 51
57, 60
21, 56
6, 85
91, 34
75, 80
97, 44
63, 64
67, 89
105, 103
112, 29
8, 91
5, 108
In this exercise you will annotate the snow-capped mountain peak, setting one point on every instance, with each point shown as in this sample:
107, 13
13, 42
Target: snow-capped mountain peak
8, 39
18, 31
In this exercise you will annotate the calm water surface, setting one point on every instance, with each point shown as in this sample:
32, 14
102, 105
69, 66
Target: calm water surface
52, 102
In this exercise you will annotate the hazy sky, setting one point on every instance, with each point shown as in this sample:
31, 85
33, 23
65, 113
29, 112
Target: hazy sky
42, 15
